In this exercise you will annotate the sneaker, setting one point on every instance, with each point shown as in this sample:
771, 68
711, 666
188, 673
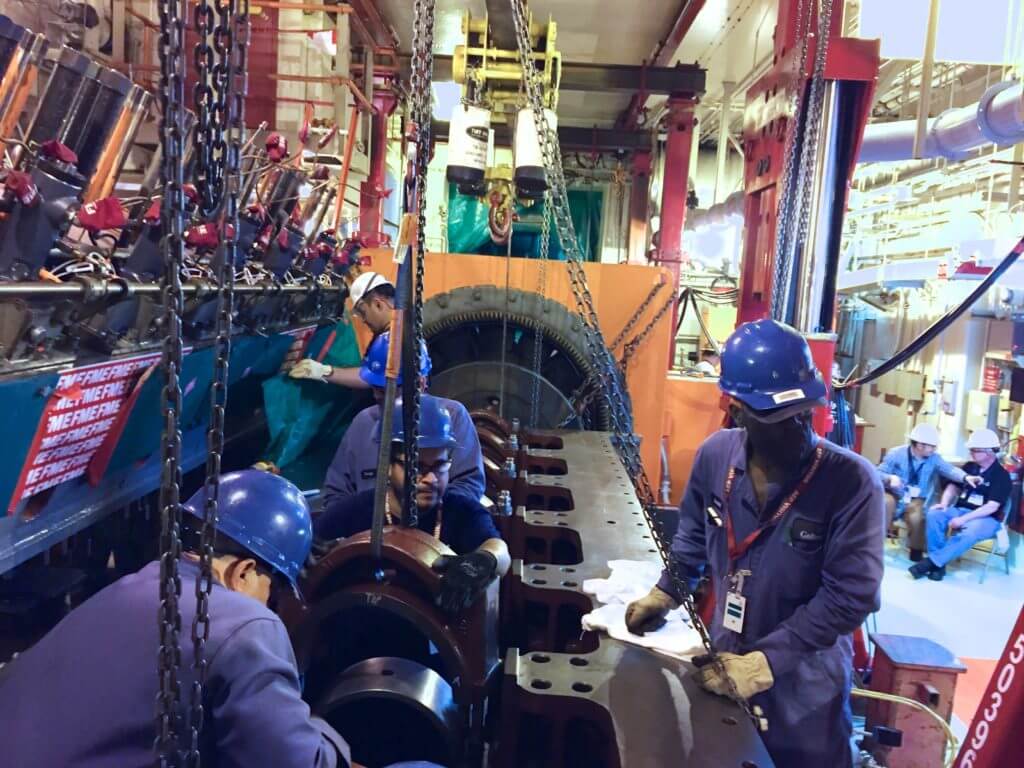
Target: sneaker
922, 568
937, 574
916, 555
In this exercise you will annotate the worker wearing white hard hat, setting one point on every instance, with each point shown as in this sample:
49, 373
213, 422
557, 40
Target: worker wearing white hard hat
373, 301
909, 475
966, 515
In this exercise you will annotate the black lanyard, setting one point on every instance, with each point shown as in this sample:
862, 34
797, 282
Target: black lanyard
915, 472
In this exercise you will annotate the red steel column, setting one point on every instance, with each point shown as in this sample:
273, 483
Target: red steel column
674, 187
639, 194
372, 191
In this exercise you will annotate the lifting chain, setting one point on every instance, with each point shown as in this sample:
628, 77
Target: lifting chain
610, 378
634, 344
172, 215
797, 182
538, 334
631, 323
230, 41
202, 97
420, 114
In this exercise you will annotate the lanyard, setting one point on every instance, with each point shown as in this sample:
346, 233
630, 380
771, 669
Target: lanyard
736, 551
915, 472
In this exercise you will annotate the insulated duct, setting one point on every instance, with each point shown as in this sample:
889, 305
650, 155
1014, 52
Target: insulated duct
998, 118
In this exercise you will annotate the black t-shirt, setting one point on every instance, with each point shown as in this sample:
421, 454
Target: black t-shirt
995, 486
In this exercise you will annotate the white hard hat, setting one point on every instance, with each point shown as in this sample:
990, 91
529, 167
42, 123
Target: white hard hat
365, 283
983, 438
925, 433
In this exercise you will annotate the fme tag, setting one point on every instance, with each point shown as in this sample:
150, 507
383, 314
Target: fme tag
788, 396
976, 498
735, 608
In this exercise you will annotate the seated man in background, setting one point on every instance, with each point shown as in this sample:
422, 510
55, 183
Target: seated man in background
354, 467
373, 301
709, 362
453, 517
909, 474
976, 512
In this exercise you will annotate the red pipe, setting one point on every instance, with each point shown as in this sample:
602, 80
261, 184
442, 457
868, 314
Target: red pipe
372, 191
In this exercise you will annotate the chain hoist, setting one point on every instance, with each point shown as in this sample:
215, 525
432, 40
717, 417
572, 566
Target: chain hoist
420, 114
538, 334
172, 216
611, 381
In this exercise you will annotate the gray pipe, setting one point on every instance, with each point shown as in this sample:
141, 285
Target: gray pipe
998, 118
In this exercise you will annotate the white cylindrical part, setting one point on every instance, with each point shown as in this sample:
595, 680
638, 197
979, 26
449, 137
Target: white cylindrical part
530, 178
468, 137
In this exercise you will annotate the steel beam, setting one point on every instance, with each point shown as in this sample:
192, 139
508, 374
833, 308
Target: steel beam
681, 80
572, 137
662, 56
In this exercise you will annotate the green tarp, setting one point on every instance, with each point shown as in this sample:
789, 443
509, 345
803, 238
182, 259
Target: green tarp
468, 231
307, 419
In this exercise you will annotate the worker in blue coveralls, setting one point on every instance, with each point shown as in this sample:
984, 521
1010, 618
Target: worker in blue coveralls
966, 515
791, 528
83, 695
453, 517
354, 467
909, 474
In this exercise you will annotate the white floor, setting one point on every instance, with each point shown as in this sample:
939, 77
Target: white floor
969, 618
972, 619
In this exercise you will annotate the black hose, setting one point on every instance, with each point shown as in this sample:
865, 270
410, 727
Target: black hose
939, 325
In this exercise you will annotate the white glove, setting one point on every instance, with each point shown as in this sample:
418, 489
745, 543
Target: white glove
311, 369
750, 673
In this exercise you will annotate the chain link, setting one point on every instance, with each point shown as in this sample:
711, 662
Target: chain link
202, 97
230, 40
797, 182
172, 214
538, 334
634, 344
611, 382
420, 114
631, 323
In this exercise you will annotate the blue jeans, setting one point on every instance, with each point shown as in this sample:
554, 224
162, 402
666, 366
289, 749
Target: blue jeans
941, 550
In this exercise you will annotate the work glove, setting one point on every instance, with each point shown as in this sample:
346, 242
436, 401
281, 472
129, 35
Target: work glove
648, 613
750, 673
464, 578
267, 466
310, 369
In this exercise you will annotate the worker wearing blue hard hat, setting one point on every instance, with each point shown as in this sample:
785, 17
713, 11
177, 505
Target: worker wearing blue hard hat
354, 467
254, 714
789, 529
451, 516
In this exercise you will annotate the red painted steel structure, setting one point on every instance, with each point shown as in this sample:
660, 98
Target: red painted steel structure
766, 125
373, 191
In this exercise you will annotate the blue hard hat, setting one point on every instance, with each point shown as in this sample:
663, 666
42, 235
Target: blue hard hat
376, 362
264, 513
768, 367
435, 430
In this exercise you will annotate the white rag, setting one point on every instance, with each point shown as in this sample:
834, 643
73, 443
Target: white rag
629, 581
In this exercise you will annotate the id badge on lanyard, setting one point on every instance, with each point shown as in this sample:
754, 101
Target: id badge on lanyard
735, 607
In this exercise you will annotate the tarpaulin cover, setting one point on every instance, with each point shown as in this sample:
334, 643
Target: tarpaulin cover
468, 231
26, 398
307, 419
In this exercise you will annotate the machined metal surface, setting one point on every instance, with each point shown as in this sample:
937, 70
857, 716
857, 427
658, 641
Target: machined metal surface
652, 704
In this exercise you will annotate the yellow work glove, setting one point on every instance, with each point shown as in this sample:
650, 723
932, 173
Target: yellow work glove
310, 369
750, 674
267, 466
649, 612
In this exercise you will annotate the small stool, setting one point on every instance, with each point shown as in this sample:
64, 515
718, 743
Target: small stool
919, 669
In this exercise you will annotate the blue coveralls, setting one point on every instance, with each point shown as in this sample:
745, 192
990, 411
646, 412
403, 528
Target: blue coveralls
465, 522
815, 576
354, 467
85, 694
919, 473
